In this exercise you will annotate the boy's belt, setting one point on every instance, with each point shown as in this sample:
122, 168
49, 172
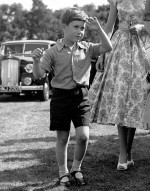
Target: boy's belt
82, 86
71, 90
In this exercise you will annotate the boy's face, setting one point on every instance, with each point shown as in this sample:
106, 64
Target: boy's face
74, 32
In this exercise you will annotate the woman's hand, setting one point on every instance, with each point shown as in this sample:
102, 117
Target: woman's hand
136, 29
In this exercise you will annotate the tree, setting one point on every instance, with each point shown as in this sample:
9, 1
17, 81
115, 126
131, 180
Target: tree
101, 13
41, 22
37, 21
12, 22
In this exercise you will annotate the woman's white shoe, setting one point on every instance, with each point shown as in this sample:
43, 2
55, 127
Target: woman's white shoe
122, 166
130, 163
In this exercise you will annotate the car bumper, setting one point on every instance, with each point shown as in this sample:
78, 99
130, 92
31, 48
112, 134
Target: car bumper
19, 89
32, 88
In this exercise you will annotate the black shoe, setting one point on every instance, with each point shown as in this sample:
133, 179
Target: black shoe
79, 181
66, 183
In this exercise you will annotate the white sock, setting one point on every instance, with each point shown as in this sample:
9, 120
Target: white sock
63, 170
76, 165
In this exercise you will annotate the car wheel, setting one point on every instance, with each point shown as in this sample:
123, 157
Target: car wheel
44, 94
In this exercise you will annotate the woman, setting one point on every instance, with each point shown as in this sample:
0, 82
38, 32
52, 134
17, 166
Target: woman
118, 96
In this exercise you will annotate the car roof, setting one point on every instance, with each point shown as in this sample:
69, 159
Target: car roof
29, 41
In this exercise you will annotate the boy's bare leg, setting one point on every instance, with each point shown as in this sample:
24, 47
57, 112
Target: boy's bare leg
61, 151
82, 138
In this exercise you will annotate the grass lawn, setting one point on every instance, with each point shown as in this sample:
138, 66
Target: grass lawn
27, 154
29, 164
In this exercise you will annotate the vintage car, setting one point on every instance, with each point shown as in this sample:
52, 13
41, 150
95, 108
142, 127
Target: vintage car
16, 65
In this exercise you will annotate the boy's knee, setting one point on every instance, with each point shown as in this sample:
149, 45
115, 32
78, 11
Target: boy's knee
62, 141
83, 138
82, 134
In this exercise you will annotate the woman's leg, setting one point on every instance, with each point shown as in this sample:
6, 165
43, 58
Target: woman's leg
61, 151
130, 138
122, 133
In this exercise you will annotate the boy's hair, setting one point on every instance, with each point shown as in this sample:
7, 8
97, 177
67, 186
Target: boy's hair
72, 14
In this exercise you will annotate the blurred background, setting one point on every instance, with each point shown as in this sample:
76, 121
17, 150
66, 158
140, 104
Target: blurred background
40, 19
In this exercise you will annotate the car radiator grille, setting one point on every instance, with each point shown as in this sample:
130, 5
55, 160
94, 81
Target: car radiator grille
9, 72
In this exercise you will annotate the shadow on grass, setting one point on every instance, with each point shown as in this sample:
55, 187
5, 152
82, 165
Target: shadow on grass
41, 139
35, 168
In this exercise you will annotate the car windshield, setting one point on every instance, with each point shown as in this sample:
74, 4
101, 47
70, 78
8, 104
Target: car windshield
13, 48
22, 48
30, 47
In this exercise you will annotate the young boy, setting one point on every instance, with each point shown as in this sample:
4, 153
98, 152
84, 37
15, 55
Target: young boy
71, 59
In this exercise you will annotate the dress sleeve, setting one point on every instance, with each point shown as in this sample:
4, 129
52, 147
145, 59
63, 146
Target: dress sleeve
112, 1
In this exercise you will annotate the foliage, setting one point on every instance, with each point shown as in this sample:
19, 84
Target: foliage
12, 22
40, 22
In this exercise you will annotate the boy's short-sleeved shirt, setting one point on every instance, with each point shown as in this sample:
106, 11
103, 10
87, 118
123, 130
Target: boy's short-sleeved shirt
147, 11
71, 67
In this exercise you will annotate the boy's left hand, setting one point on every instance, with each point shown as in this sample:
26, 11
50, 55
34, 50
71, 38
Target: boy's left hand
93, 23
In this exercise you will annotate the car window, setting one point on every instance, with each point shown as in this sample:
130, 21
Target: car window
30, 47
23, 48
13, 48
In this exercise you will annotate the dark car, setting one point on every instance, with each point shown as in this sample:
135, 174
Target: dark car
16, 69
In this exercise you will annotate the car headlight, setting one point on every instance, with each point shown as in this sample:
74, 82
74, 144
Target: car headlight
29, 68
27, 81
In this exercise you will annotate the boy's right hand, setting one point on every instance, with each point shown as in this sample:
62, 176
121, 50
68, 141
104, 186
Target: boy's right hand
37, 54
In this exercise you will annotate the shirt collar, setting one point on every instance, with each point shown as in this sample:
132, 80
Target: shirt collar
60, 45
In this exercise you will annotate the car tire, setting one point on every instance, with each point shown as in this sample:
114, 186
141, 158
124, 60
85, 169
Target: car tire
44, 94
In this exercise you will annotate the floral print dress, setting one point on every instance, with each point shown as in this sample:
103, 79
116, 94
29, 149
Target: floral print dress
118, 97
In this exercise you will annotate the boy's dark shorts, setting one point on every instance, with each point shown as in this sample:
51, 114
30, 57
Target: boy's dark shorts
69, 105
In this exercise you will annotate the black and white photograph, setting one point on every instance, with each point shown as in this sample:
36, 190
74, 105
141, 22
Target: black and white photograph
74, 95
